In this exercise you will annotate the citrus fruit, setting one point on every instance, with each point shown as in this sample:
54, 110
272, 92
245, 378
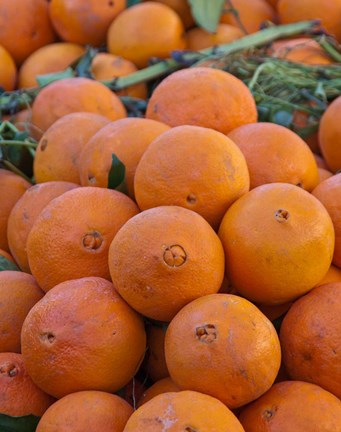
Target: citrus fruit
198, 38
164, 385
8, 71
155, 362
330, 134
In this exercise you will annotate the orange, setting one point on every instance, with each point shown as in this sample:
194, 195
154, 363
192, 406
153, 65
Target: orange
107, 66
198, 38
6, 255
333, 275
12, 187
82, 336
182, 8
273, 3
274, 311
204, 97
186, 411
159, 262
222, 345
24, 27
310, 338
19, 396
87, 410
324, 174
50, 58
330, 135
293, 406
320, 161
59, 148
19, 292
74, 95
84, 21
165, 385
130, 37
274, 153
24, 214
8, 71
329, 12
329, 193
252, 14
192, 167
71, 236
302, 50
155, 362
278, 241
127, 139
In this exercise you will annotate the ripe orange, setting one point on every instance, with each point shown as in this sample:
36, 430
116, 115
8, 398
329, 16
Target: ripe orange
8, 70
186, 411
310, 338
222, 345
165, 385
329, 12
107, 66
192, 167
274, 153
330, 135
47, 59
278, 241
24, 27
19, 292
182, 8
155, 362
94, 411
323, 174
293, 406
6, 255
12, 187
274, 311
159, 262
329, 193
204, 97
130, 37
82, 336
302, 50
333, 275
59, 148
127, 139
84, 21
74, 95
252, 14
24, 214
198, 38
71, 236
19, 396
320, 161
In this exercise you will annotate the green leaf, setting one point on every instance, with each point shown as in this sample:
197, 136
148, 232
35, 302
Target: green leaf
18, 424
55, 76
21, 136
6, 264
207, 13
283, 118
134, 2
83, 66
117, 172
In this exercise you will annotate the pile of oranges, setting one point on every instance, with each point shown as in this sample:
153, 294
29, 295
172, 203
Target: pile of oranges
204, 293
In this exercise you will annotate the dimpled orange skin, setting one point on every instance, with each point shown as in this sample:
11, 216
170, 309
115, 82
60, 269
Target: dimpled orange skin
82, 336
19, 292
24, 27
274, 153
330, 135
198, 38
192, 167
58, 151
19, 396
12, 187
84, 21
129, 36
293, 406
252, 14
164, 258
74, 95
155, 362
47, 59
107, 66
127, 139
72, 235
164, 385
329, 193
328, 12
87, 410
310, 338
222, 345
202, 97
183, 411
278, 241
8, 71
24, 214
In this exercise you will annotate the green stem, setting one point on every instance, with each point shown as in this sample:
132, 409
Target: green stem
18, 143
16, 170
235, 12
330, 50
